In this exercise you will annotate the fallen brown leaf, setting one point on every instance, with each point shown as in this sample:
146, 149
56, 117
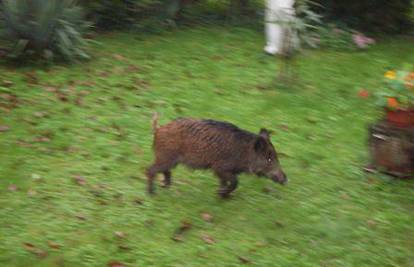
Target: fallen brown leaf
279, 224
217, 58
372, 223
208, 239
80, 217
79, 180
12, 187
312, 119
6, 83
23, 144
139, 201
119, 57
87, 83
9, 101
41, 139
115, 264
51, 89
40, 114
207, 217
78, 101
262, 87
261, 244
244, 260
84, 92
31, 78
53, 245
284, 127
4, 128
33, 249
28, 246
177, 238
132, 68
185, 226
62, 96
149, 223
119, 234
104, 74
124, 247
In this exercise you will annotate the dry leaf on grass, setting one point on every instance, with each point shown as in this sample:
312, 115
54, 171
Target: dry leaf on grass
185, 226
244, 260
53, 245
207, 217
208, 239
79, 180
4, 128
115, 264
35, 250
119, 234
12, 187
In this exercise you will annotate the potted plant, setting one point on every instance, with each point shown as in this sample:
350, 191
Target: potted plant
397, 98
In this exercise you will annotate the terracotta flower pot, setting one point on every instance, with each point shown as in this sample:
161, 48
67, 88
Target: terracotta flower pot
401, 117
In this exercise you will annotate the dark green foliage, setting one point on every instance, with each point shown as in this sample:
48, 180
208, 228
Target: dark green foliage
149, 14
370, 15
117, 14
333, 37
47, 28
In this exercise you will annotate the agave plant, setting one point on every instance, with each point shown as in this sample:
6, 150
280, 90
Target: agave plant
48, 28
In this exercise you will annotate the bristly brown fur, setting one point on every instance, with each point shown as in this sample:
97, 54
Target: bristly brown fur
208, 144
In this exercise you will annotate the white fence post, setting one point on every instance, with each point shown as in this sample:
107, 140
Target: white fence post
274, 32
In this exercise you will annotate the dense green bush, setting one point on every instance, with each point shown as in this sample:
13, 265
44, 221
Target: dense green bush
117, 14
48, 28
121, 14
370, 15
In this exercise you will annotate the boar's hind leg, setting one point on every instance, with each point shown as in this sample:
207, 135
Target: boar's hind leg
233, 184
228, 183
156, 168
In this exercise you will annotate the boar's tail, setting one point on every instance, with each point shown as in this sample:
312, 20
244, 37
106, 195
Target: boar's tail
154, 121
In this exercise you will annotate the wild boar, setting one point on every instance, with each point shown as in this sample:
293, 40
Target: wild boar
219, 146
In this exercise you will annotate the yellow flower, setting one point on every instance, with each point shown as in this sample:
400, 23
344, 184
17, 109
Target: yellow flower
390, 75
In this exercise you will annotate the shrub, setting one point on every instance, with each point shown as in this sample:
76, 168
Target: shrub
370, 15
145, 14
121, 14
47, 28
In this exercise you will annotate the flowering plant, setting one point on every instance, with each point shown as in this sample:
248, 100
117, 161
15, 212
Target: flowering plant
398, 92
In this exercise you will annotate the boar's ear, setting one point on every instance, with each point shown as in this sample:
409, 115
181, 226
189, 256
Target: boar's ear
260, 144
264, 133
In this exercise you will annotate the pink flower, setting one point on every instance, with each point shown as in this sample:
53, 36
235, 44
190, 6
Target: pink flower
362, 41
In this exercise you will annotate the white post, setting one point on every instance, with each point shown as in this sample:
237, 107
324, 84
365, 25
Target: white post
274, 32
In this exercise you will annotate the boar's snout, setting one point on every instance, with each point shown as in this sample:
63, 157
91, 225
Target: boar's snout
279, 177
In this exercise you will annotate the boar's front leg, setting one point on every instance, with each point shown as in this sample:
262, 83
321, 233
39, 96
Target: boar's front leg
167, 179
228, 183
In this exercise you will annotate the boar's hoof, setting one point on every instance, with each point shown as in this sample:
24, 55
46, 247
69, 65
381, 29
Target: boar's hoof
223, 193
165, 184
151, 191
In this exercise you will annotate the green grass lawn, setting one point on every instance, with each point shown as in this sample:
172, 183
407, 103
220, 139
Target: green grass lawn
97, 126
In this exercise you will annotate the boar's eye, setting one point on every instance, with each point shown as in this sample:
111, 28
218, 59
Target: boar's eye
269, 158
